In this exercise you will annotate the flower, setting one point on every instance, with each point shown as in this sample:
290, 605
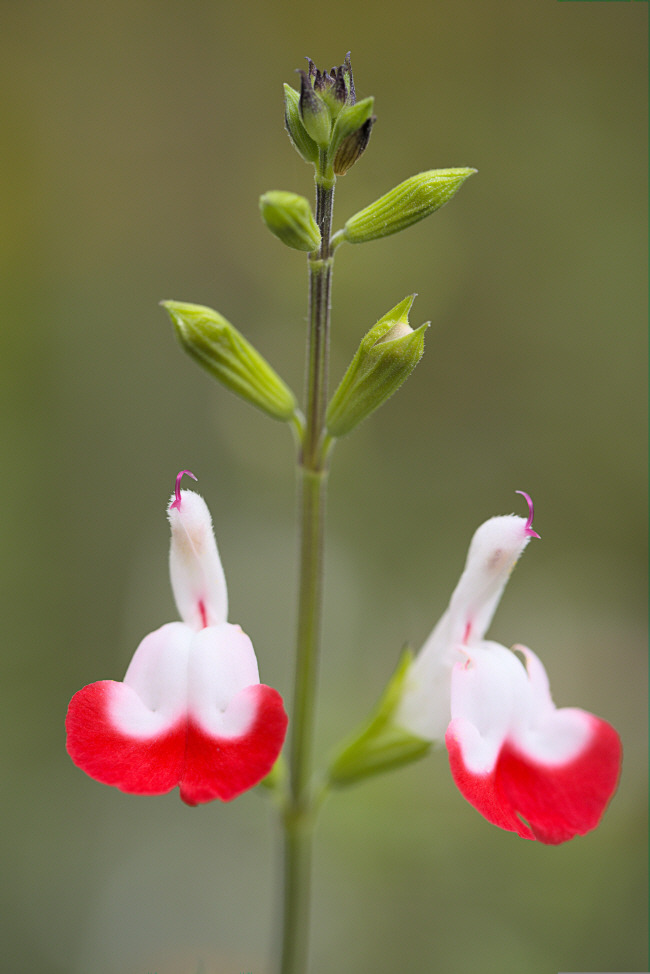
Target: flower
191, 710
512, 753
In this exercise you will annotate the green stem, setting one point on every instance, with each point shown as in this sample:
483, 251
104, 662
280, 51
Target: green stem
299, 811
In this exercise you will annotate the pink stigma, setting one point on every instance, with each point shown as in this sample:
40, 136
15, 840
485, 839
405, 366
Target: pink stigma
531, 514
177, 503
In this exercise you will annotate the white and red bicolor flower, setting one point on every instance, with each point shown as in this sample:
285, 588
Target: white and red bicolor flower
527, 766
191, 710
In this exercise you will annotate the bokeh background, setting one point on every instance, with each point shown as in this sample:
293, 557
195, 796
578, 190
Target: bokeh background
136, 138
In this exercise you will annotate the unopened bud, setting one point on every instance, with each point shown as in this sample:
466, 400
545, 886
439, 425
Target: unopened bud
290, 219
335, 87
298, 134
384, 360
314, 112
216, 345
351, 134
406, 204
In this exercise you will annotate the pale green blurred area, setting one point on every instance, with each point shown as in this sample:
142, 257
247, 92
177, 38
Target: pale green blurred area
137, 138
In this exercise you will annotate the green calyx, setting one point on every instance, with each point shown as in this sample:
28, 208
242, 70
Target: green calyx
379, 744
216, 345
404, 205
290, 219
384, 360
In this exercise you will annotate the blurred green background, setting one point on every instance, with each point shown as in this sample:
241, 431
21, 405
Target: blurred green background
136, 139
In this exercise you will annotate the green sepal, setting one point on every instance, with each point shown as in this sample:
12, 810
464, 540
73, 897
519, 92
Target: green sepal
379, 744
404, 205
216, 345
350, 135
276, 779
302, 141
289, 218
384, 360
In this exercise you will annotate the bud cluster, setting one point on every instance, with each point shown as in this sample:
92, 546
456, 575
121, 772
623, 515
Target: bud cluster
326, 124
330, 129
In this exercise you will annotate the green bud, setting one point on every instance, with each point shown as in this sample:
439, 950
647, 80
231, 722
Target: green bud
224, 352
384, 360
314, 112
302, 141
289, 217
350, 134
379, 744
407, 203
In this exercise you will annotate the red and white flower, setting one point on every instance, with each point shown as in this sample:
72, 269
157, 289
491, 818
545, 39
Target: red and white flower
191, 710
527, 766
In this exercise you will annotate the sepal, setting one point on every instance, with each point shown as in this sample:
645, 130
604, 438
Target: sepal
289, 218
216, 345
380, 744
384, 360
276, 779
404, 205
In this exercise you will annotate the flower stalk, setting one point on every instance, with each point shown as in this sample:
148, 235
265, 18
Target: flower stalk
312, 486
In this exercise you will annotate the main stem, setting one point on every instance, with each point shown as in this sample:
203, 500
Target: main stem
298, 817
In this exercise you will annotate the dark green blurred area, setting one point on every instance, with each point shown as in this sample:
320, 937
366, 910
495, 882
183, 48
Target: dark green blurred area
137, 138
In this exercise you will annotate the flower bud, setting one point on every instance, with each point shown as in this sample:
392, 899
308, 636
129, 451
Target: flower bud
384, 360
336, 87
290, 219
351, 134
314, 112
380, 744
224, 352
345, 72
303, 142
407, 203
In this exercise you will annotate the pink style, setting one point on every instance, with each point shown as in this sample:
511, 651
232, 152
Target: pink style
191, 710
543, 772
